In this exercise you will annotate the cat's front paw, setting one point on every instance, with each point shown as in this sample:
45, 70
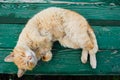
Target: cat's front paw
47, 57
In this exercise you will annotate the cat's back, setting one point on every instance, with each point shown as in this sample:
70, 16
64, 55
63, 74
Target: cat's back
56, 11
58, 16
51, 14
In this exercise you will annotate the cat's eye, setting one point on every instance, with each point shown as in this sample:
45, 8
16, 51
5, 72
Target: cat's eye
23, 55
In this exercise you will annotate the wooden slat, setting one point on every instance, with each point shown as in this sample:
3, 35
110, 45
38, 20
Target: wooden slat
67, 62
108, 2
20, 13
42, 1
108, 37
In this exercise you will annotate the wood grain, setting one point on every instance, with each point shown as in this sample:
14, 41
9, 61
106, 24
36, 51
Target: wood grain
20, 13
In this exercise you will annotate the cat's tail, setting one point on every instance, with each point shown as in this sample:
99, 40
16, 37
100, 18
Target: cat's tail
94, 50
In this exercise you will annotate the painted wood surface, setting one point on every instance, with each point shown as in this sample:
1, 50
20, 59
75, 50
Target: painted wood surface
104, 18
22, 12
111, 2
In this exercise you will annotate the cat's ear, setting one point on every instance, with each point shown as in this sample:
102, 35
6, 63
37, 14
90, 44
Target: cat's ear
21, 72
9, 58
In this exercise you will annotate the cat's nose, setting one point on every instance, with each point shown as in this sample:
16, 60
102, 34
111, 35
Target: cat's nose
29, 57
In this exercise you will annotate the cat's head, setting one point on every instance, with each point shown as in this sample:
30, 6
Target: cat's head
24, 59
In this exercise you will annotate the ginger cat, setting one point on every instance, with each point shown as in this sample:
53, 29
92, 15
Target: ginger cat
50, 25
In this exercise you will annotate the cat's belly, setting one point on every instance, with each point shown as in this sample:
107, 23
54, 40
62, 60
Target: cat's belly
66, 42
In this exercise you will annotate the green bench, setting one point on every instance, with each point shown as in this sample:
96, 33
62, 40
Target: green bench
104, 17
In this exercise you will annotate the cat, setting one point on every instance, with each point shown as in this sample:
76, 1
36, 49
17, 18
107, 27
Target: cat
49, 25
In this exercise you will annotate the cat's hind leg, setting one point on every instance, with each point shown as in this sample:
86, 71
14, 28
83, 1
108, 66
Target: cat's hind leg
92, 52
66, 42
93, 60
47, 56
